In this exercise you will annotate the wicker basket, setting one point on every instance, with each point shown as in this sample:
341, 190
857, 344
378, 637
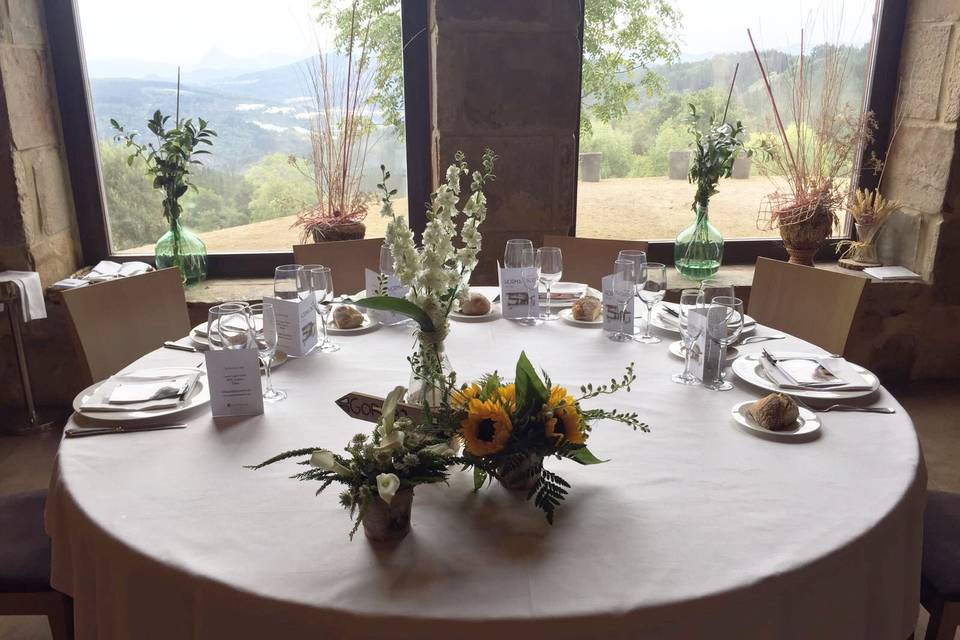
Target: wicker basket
345, 231
803, 239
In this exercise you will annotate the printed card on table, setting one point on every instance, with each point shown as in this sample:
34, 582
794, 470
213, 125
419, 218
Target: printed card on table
705, 354
234, 378
611, 310
296, 325
516, 300
393, 289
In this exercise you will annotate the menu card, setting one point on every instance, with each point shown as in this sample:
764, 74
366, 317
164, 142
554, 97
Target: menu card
706, 353
234, 378
612, 321
516, 300
393, 288
296, 324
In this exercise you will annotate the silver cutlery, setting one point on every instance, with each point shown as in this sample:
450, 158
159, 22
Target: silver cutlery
752, 339
180, 347
79, 432
844, 407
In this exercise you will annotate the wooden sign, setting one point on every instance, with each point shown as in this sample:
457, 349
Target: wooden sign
369, 408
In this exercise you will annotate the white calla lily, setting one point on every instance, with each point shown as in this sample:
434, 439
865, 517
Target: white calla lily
441, 449
389, 410
387, 485
324, 459
392, 441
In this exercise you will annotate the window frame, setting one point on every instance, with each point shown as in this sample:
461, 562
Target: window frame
83, 155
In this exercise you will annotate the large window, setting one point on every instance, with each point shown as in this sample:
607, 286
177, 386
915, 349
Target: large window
646, 61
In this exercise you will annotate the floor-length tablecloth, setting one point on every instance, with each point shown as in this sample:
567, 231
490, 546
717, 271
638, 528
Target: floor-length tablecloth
695, 530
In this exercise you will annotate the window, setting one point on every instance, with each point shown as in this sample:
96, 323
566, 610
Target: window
634, 141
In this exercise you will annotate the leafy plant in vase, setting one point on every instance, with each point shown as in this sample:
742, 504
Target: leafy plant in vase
168, 161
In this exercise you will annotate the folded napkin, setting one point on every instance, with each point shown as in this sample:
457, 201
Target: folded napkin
826, 373
31, 293
69, 283
132, 392
564, 291
110, 270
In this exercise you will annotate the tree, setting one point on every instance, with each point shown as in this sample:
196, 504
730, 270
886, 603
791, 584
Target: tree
622, 40
279, 189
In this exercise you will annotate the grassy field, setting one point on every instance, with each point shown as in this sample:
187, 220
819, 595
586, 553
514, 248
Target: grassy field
622, 208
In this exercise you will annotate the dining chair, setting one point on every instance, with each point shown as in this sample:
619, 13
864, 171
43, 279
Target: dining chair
118, 321
940, 568
588, 260
25, 565
347, 260
816, 305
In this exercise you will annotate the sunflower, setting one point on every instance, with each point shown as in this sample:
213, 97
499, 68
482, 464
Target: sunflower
460, 399
564, 421
486, 428
507, 395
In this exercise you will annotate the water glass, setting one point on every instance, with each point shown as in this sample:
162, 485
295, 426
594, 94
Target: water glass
724, 333
690, 299
230, 326
265, 334
513, 253
530, 275
290, 282
624, 287
213, 319
651, 287
713, 288
550, 265
321, 283
638, 257
388, 266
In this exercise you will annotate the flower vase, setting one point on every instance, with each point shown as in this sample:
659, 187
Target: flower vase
524, 476
384, 522
866, 249
179, 247
431, 369
698, 250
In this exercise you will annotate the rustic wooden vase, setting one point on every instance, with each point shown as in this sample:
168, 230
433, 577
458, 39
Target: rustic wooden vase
803, 239
384, 522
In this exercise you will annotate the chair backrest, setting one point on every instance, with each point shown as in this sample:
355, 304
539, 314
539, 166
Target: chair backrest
814, 304
347, 260
116, 322
588, 260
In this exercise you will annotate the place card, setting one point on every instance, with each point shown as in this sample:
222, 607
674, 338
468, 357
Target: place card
611, 310
393, 288
516, 300
296, 324
234, 379
705, 353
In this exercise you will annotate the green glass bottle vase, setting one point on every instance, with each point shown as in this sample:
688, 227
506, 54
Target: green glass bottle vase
698, 250
179, 247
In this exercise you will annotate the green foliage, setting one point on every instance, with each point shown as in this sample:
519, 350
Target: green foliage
671, 136
714, 151
278, 188
397, 305
132, 202
531, 392
617, 160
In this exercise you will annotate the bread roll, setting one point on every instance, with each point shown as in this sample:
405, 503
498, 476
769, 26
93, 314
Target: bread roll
775, 412
476, 305
587, 309
347, 317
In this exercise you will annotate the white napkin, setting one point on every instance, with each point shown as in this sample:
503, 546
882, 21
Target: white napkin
889, 274
31, 293
110, 270
832, 374
69, 283
132, 390
564, 291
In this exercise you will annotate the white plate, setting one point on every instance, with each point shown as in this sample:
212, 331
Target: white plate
493, 314
567, 316
808, 424
660, 322
676, 348
567, 287
369, 324
199, 397
749, 369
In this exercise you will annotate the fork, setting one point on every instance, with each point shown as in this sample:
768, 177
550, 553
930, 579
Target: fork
844, 407
752, 339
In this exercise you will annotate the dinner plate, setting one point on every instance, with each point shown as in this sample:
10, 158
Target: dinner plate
198, 397
749, 369
660, 321
807, 427
567, 316
676, 348
493, 314
369, 324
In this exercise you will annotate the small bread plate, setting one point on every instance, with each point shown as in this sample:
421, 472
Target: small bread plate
369, 324
676, 348
198, 396
567, 316
493, 314
749, 369
806, 428
564, 294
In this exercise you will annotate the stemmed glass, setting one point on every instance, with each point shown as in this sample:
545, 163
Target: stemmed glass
321, 283
530, 274
222, 313
388, 266
624, 287
265, 334
639, 258
513, 253
291, 282
651, 287
689, 300
724, 331
550, 265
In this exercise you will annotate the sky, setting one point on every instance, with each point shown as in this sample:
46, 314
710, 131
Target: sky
280, 30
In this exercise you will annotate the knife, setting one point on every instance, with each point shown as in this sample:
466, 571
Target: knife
75, 432
180, 347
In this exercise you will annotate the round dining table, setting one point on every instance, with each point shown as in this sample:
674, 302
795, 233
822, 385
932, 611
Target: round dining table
697, 529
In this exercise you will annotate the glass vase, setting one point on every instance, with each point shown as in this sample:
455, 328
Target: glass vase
179, 247
698, 250
431, 369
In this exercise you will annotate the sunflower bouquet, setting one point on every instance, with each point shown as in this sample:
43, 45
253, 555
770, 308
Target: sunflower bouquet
508, 429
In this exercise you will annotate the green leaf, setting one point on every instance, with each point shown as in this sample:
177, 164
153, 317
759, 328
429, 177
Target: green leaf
584, 456
531, 392
479, 477
397, 305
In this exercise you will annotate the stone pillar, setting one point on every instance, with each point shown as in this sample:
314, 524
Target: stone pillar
506, 75
590, 166
678, 165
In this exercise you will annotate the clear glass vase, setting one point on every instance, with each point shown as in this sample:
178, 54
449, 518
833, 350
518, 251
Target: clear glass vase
698, 250
179, 247
431, 369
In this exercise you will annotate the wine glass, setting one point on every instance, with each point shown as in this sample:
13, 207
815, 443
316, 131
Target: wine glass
290, 282
689, 299
514, 252
651, 287
213, 320
724, 328
639, 257
713, 288
624, 287
265, 335
550, 264
233, 326
321, 283
530, 274
388, 266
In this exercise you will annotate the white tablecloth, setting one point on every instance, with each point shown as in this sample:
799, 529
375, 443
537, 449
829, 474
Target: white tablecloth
696, 530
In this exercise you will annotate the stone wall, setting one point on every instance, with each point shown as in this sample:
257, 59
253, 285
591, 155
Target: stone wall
506, 75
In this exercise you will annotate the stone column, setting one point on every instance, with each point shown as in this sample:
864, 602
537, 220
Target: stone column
506, 74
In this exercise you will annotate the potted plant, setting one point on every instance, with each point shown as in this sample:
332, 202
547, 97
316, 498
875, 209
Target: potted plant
168, 161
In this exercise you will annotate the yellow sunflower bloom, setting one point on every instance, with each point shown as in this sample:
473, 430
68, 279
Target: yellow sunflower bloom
565, 422
508, 397
461, 398
486, 428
